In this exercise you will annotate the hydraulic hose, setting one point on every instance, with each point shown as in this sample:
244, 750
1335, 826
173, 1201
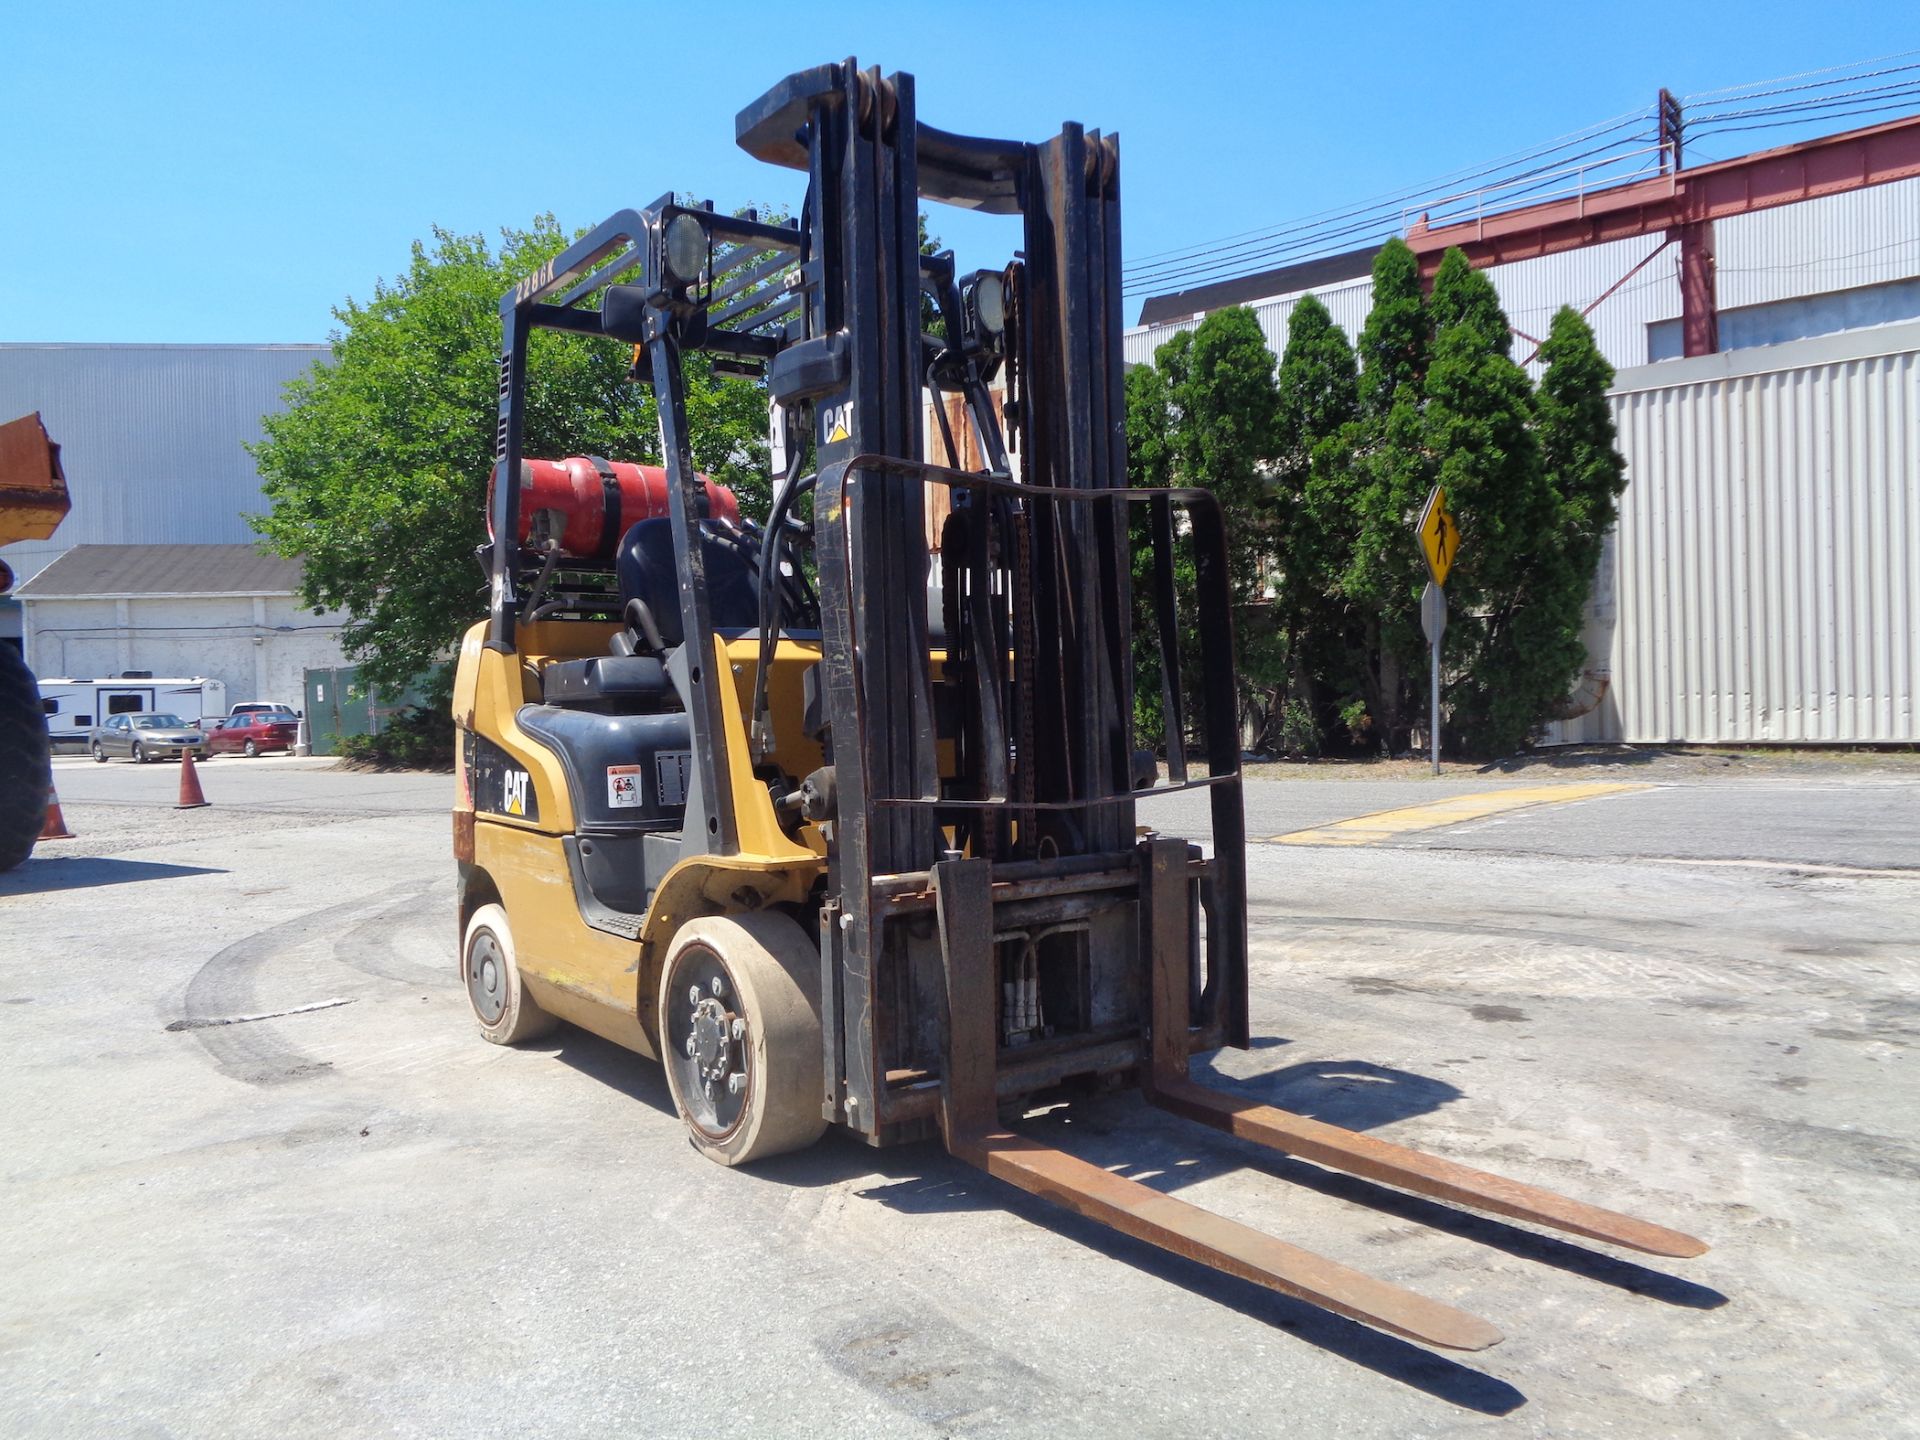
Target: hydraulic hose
770, 596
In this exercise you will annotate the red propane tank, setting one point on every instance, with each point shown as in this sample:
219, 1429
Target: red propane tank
595, 513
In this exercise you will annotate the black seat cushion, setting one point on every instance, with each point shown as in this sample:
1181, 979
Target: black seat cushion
622, 682
646, 570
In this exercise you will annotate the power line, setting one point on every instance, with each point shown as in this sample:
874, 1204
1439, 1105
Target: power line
1365, 218
1803, 75
1904, 87
1452, 177
1608, 164
1397, 199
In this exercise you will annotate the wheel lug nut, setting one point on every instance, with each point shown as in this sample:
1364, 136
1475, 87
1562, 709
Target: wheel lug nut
719, 987
735, 1084
690, 1047
739, 1028
694, 996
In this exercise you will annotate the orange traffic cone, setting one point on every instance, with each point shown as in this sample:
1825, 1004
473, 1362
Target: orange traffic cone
56, 826
192, 797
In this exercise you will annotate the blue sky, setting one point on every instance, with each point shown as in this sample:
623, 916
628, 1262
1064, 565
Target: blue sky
226, 172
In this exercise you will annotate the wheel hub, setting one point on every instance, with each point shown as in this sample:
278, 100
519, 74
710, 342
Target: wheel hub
714, 1070
486, 978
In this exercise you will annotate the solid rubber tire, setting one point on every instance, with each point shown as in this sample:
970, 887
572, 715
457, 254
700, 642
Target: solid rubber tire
775, 973
26, 768
522, 1018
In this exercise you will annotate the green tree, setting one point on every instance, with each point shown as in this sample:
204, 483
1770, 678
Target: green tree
1317, 404
1577, 438
1150, 465
1393, 468
377, 470
1224, 408
1509, 648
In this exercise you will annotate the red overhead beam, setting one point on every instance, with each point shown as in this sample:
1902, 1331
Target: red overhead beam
1852, 160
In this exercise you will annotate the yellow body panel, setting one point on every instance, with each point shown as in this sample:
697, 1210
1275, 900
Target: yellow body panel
599, 981
576, 972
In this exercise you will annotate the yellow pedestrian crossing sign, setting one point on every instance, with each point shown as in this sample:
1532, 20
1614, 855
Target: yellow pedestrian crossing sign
1439, 536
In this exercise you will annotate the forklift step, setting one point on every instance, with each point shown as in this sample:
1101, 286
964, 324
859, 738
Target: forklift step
1405, 1169
1225, 1245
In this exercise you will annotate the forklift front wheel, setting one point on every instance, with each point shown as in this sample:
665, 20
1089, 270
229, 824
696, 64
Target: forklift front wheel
507, 1014
740, 1035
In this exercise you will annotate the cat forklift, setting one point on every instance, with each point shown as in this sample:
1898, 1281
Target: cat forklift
832, 811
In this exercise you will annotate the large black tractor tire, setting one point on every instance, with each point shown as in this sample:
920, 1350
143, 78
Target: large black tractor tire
26, 771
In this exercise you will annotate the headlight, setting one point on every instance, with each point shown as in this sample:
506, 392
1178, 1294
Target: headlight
989, 301
686, 248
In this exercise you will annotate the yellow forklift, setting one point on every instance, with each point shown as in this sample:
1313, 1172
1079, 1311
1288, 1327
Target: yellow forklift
832, 810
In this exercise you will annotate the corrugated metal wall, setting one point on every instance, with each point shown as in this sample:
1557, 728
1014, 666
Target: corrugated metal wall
151, 437
1764, 580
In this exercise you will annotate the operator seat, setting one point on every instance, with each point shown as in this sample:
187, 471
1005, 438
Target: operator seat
645, 569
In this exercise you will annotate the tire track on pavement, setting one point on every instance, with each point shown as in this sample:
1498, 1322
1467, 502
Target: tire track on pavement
261, 1054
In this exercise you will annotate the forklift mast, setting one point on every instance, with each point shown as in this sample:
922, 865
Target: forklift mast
1038, 571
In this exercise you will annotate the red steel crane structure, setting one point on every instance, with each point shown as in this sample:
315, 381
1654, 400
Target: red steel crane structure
1683, 205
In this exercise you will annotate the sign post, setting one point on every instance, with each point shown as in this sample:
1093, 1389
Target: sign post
1439, 542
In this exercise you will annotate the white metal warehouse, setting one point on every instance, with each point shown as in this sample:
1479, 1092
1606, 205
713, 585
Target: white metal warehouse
152, 437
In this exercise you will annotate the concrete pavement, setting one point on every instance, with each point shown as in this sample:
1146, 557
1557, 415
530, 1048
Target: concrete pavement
358, 1219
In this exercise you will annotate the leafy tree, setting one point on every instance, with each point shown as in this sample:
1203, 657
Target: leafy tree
1318, 402
1398, 335
1384, 574
377, 470
1150, 465
1322, 473
1225, 413
1510, 651
1577, 435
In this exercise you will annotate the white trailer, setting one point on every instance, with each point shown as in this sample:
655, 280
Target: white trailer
74, 707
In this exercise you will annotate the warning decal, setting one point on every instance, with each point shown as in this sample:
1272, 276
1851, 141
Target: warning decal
623, 787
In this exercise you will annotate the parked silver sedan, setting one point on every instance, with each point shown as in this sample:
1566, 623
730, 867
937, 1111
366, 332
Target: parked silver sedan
146, 735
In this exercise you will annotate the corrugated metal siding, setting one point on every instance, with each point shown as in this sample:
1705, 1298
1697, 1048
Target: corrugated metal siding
1767, 561
151, 437
1839, 242
1532, 290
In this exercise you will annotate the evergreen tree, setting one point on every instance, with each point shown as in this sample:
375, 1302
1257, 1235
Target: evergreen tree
1227, 403
1509, 651
1577, 434
1150, 465
1393, 469
1317, 404
1398, 333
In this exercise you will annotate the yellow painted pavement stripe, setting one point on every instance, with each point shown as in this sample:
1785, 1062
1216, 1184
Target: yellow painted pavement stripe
1370, 829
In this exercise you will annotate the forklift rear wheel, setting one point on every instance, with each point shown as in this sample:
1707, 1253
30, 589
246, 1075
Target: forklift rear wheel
740, 1035
507, 1014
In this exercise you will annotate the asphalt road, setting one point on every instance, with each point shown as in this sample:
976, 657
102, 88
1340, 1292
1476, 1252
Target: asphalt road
356, 1218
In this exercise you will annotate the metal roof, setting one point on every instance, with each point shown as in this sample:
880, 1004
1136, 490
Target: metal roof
99, 572
152, 437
